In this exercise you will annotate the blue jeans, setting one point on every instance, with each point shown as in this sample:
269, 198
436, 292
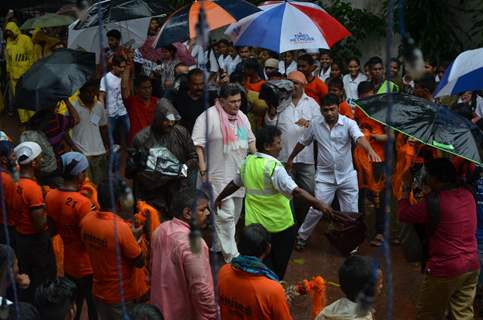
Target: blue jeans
119, 128
480, 254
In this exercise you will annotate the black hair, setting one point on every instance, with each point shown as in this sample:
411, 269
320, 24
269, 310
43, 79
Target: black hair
90, 84
236, 77
265, 136
26, 311
114, 34
54, 298
144, 311
354, 59
230, 89
329, 100
442, 169
307, 58
396, 60
225, 42
337, 83
140, 79
171, 48
117, 60
195, 72
185, 198
251, 64
325, 51
365, 87
427, 81
104, 192
374, 60
180, 64
355, 275
254, 240
276, 74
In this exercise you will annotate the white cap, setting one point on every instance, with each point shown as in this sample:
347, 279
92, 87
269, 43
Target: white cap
27, 152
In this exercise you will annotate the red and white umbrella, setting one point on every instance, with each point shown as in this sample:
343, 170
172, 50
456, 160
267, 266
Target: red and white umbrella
288, 25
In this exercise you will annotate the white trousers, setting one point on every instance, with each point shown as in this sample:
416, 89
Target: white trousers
225, 223
347, 195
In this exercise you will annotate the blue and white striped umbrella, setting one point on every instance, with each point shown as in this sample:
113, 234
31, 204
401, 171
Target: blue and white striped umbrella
464, 74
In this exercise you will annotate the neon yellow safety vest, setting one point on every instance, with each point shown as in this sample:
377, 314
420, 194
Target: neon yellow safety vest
263, 203
383, 88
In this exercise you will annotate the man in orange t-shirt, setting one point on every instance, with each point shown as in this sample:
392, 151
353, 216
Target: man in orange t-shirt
253, 82
34, 249
336, 87
247, 288
6, 163
66, 207
371, 175
99, 237
315, 87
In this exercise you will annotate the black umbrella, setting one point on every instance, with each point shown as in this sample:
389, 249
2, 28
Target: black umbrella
54, 78
427, 122
122, 10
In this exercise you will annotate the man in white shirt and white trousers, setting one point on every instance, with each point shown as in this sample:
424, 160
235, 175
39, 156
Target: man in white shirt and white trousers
293, 121
335, 174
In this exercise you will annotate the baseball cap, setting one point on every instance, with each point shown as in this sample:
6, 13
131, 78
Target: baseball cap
27, 152
74, 163
271, 63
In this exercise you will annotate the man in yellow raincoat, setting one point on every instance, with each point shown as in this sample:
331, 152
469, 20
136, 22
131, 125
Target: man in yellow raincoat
19, 57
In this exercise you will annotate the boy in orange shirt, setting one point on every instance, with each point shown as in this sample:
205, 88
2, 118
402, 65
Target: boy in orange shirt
8, 188
104, 244
247, 288
34, 249
371, 175
336, 87
315, 87
66, 207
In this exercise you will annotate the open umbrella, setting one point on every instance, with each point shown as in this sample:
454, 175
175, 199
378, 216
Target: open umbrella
427, 122
180, 26
54, 78
285, 25
130, 17
464, 74
47, 20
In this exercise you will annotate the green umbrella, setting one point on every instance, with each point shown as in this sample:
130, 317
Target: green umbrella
47, 20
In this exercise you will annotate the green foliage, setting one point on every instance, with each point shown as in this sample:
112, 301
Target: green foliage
438, 26
360, 22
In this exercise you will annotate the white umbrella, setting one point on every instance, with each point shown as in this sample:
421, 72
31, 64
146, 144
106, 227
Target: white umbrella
133, 33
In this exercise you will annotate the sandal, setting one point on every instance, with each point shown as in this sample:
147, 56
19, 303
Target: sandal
300, 244
377, 241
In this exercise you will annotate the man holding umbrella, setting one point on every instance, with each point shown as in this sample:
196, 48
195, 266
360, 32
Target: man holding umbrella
335, 174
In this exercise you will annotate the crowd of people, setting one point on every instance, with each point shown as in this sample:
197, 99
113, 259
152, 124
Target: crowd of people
107, 197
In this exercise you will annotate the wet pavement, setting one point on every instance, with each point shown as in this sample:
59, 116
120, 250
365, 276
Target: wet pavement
319, 258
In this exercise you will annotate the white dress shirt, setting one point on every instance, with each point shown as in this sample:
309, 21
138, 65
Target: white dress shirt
334, 158
291, 67
306, 109
281, 180
324, 75
350, 85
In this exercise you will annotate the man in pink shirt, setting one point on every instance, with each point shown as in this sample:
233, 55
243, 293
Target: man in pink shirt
181, 281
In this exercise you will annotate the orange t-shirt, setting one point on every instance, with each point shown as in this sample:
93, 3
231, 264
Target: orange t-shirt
97, 232
345, 109
254, 86
9, 197
373, 127
66, 209
28, 197
246, 296
316, 89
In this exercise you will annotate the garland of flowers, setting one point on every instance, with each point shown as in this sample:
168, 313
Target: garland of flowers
314, 288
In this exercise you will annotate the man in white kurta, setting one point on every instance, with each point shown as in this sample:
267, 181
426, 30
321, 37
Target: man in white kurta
220, 162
